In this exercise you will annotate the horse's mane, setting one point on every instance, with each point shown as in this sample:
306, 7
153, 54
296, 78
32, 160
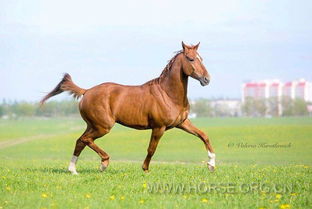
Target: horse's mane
166, 70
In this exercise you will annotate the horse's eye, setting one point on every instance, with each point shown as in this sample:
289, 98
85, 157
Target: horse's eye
190, 59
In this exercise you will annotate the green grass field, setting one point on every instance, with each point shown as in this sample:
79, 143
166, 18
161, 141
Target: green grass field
251, 172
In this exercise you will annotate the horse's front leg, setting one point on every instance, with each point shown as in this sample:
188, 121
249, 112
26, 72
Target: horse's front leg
190, 128
155, 137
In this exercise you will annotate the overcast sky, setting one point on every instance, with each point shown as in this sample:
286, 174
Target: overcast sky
130, 42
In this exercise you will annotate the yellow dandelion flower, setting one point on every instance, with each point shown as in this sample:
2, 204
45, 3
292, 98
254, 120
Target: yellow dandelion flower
144, 185
284, 206
8, 188
204, 200
262, 208
112, 197
305, 166
293, 194
88, 196
141, 201
44, 195
122, 197
278, 196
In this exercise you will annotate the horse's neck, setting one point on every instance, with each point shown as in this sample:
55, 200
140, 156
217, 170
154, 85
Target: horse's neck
175, 84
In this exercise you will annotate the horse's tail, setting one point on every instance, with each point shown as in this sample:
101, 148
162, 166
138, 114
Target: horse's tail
66, 84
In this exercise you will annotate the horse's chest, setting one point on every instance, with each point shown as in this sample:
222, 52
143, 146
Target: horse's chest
181, 117
175, 117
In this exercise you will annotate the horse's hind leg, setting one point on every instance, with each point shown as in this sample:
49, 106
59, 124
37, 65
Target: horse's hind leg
87, 139
78, 149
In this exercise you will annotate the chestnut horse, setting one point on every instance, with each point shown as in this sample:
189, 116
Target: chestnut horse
159, 104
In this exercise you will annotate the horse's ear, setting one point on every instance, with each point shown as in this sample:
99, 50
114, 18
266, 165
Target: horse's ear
183, 46
196, 46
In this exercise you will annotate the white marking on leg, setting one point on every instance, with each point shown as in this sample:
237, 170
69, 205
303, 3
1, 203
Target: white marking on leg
211, 159
72, 165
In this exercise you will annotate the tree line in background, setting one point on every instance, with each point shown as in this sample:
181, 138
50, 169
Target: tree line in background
199, 108
271, 107
275, 107
30, 109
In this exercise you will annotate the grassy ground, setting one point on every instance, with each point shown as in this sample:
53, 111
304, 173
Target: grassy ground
35, 153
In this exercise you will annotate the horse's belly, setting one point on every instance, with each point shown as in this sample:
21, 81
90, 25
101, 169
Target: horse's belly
134, 125
133, 118
137, 121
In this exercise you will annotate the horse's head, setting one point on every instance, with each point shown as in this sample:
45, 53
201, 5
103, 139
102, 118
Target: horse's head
193, 64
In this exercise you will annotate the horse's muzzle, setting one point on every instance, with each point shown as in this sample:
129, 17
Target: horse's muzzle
204, 81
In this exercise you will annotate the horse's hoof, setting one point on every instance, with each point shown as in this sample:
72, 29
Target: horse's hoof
72, 171
102, 167
104, 164
145, 169
211, 168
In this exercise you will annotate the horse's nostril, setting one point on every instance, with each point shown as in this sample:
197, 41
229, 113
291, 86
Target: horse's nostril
204, 81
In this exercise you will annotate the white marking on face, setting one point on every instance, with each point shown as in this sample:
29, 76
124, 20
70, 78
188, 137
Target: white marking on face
198, 57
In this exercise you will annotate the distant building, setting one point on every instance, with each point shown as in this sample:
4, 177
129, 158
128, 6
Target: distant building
300, 89
297, 90
261, 89
226, 107
216, 108
275, 89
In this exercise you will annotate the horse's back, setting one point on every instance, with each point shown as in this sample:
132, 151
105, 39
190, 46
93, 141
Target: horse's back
140, 107
116, 102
